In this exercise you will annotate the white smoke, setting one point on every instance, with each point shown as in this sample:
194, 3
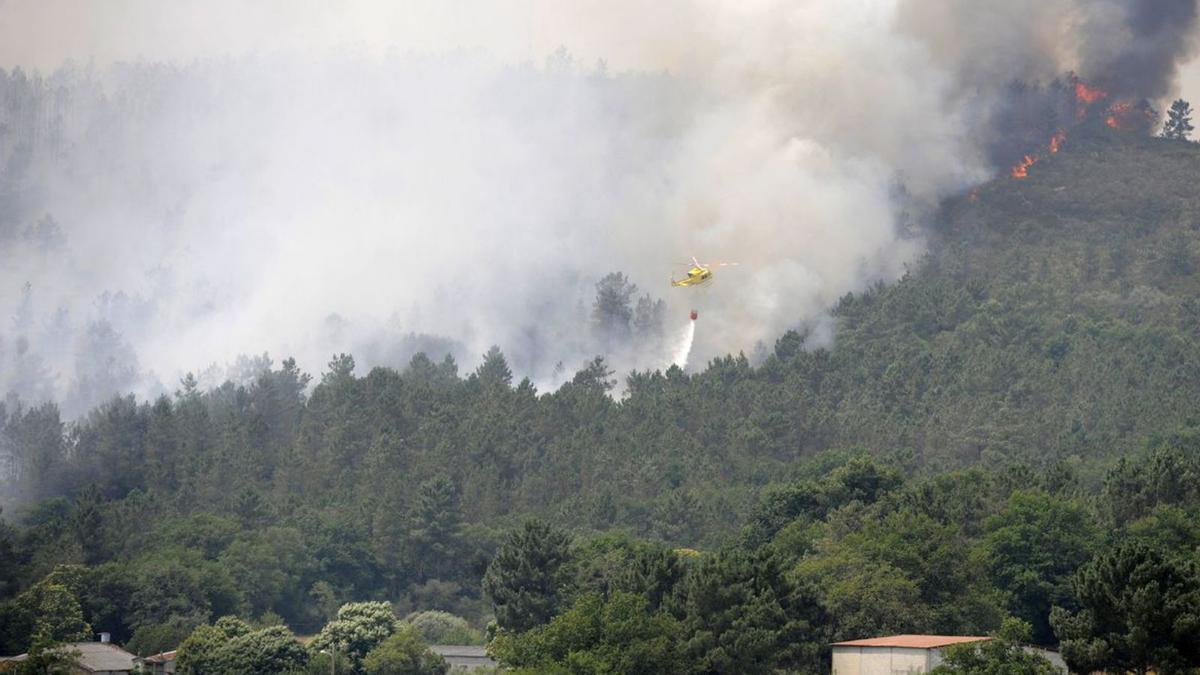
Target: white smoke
349, 178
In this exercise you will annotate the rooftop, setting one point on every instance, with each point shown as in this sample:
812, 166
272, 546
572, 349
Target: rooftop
460, 650
95, 656
163, 657
912, 641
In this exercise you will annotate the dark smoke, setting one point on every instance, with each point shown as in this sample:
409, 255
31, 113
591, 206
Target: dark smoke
1015, 63
1144, 61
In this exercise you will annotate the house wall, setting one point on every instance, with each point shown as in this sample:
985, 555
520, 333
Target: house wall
880, 661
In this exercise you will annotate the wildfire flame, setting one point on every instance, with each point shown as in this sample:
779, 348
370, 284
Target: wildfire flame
1120, 114
1088, 95
1057, 140
1125, 116
1021, 169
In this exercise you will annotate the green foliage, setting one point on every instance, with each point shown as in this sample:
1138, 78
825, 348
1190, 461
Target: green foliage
616, 563
156, 638
1139, 610
404, 653
901, 572
443, 628
232, 646
861, 479
177, 583
1167, 473
435, 535
1179, 121
617, 634
529, 577
358, 628
269, 650
1002, 655
201, 652
1032, 548
270, 565
47, 656
47, 613
741, 614
1046, 346
612, 312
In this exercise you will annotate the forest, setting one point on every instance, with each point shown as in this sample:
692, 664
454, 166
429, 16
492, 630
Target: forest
1006, 441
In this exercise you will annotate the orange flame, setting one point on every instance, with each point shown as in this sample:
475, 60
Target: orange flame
1057, 140
1121, 116
1021, 170
1088, 95
1085, 96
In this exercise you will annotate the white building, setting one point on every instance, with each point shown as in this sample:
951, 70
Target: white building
893, 655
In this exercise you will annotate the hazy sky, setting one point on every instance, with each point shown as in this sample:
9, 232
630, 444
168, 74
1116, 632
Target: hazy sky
43, 33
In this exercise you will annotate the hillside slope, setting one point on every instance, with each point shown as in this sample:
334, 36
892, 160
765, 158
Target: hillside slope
1054, 324
1055, 316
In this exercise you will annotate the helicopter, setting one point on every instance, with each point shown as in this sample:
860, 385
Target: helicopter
700, 273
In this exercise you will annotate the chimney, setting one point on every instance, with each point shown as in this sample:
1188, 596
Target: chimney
105, 637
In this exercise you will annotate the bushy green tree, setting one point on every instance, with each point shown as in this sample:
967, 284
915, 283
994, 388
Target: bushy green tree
175, 582
612, 311
270, 564
617, 634
47, 613
609, 563
232, 646
1004, 654
529, 577
1139, 611
1179, 121
901, 572
358, 628
741, 614
404, 653
435, 534
443, 628
1032, 548
201, 652
156, 638
861, 479
48, 656
269, 650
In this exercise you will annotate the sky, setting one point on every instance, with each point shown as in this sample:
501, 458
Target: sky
42, 34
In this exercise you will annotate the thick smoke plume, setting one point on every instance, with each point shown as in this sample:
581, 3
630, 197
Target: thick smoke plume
325, 195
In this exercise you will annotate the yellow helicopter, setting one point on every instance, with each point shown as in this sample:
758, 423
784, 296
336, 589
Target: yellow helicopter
700, 273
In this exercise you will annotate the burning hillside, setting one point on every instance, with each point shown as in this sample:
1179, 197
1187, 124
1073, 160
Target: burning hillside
1092, 104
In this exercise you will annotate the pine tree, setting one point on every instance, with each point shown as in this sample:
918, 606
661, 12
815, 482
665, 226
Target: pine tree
1179, 121
494, 371
742, 614
1139, 611
436, 532
528, 579
612, 312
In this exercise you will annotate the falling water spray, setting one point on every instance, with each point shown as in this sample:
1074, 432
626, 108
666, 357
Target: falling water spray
684, 346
